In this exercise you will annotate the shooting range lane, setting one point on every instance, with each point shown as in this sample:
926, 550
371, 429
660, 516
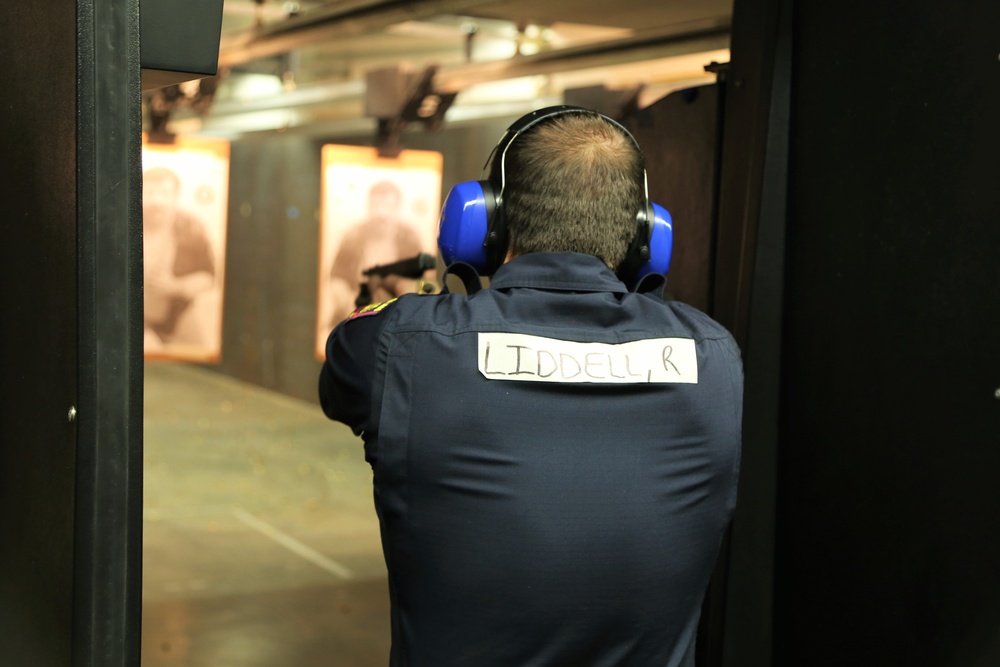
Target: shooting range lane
261, 545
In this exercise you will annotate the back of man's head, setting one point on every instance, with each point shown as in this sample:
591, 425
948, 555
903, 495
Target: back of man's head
573, 183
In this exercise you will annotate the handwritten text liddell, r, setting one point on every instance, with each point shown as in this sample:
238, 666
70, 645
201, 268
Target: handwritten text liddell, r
505, 356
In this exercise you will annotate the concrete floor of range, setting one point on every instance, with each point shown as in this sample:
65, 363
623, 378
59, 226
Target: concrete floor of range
260, 545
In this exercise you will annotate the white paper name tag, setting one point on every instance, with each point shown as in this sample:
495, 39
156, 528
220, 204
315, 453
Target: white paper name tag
507, 356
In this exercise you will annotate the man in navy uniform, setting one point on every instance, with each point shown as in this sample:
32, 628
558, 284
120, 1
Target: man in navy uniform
555, 458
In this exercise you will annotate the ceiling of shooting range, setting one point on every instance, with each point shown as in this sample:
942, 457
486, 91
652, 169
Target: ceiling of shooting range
305, 64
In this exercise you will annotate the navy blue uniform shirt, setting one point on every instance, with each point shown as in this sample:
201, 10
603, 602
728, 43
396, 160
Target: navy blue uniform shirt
555, 461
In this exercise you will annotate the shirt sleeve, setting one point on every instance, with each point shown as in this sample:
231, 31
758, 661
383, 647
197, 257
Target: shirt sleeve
345, 381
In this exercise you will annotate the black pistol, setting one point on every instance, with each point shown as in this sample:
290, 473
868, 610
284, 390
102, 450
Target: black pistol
412, 267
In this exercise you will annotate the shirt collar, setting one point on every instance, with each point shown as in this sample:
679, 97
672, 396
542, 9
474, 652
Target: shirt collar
568, 271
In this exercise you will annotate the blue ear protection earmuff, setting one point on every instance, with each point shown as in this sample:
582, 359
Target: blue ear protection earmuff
473, 230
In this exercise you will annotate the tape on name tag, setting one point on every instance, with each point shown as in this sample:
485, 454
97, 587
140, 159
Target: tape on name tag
509, 356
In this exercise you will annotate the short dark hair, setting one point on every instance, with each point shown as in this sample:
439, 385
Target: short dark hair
573, 183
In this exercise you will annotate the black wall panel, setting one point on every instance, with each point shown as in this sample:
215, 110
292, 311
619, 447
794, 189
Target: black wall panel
748, 299
888, 502
38, 357
107, 550
70, 493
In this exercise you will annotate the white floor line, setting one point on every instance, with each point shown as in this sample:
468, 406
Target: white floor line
293, 545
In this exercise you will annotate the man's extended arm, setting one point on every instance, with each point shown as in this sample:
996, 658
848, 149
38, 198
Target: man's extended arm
345, 382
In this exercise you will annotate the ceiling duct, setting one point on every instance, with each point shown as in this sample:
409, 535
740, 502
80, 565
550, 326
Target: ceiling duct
331, 22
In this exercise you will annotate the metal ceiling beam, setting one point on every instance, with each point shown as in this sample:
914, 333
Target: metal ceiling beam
643, 46
337, 102
449, 79
350, 18
353, 18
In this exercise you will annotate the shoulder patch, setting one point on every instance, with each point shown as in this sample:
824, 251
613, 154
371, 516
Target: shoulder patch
370, 309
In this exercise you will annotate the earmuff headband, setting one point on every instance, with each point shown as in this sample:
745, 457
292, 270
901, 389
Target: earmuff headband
528, 121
